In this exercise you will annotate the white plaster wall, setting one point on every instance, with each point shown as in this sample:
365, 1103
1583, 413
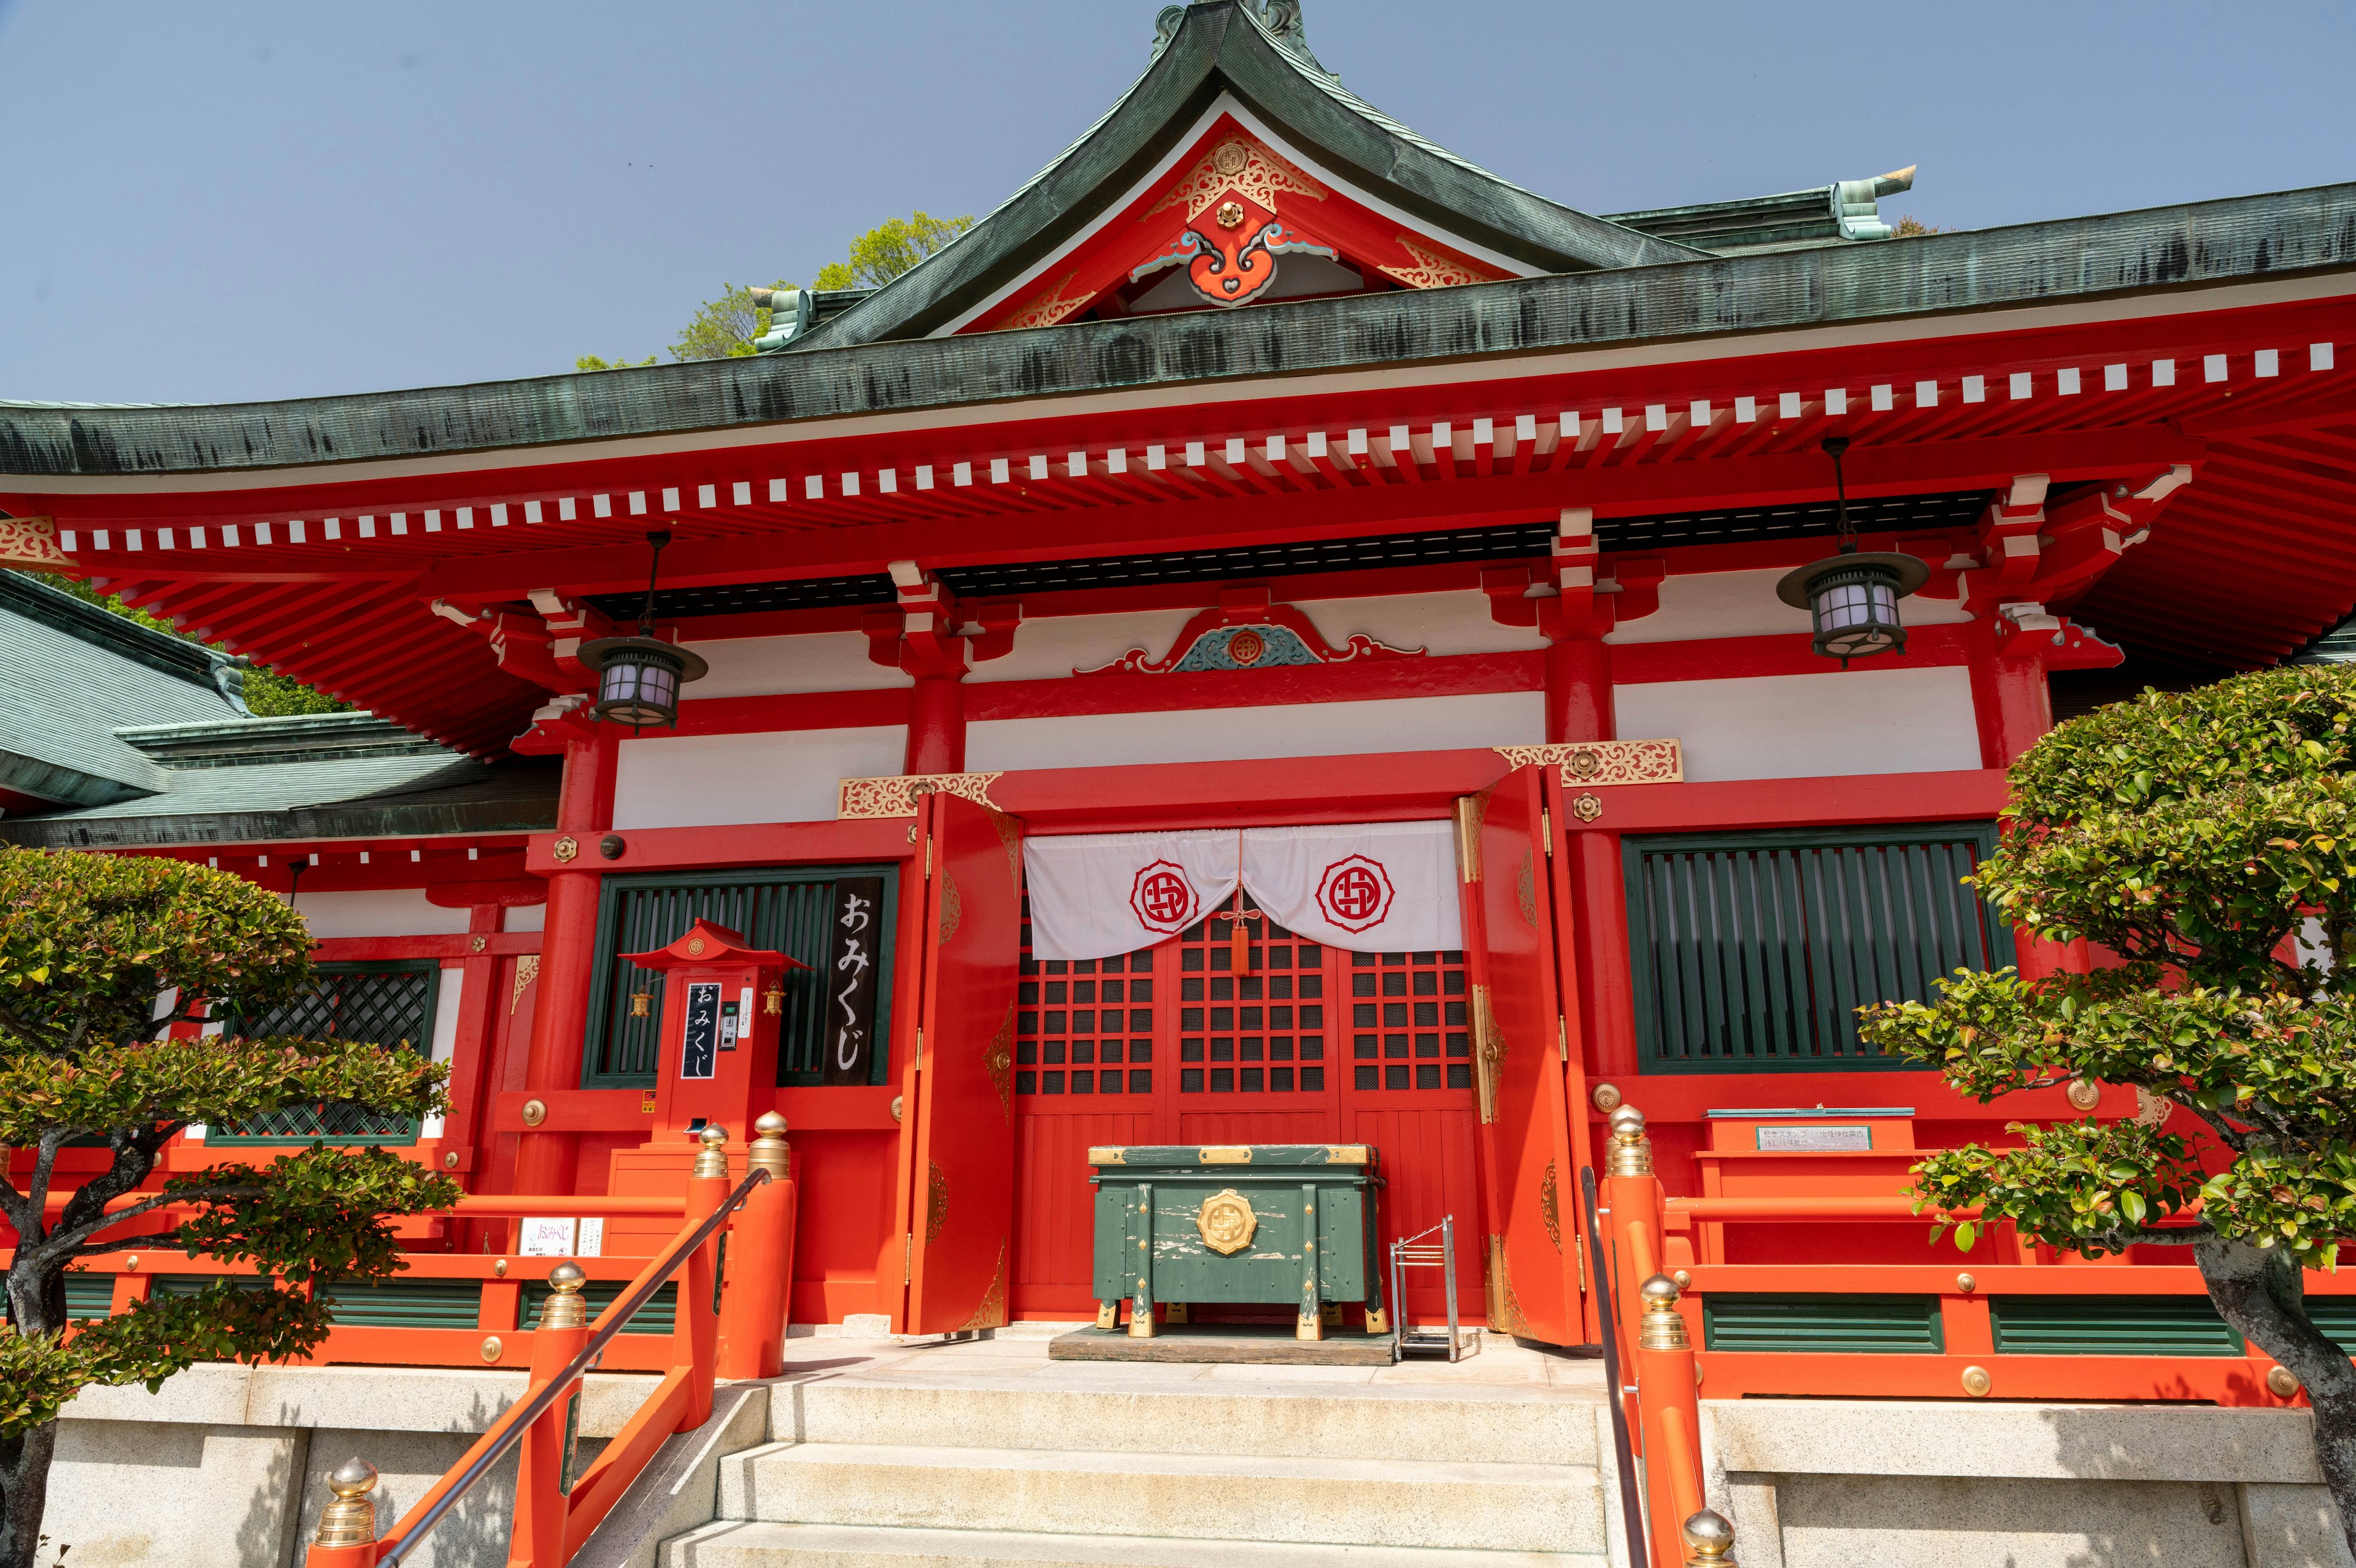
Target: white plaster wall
1053, 646
381, 912
1437, 622
1233, 734
1807, 726
1743, 605
705, 781
764, 666
526, 917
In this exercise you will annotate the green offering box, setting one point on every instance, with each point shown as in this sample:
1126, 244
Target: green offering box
1237, 1225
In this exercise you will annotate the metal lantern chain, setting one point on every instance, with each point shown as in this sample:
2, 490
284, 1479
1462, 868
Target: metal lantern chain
661, 538
1852, 598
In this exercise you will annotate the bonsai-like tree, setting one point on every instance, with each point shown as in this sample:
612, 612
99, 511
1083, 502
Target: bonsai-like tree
98, 956
2208, 840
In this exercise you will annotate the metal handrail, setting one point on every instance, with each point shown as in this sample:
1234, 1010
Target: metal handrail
1608, 1315
519, 1418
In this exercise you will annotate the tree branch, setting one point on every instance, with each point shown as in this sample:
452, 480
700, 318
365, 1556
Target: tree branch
72, 1240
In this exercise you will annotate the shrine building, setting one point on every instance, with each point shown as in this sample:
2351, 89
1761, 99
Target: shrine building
1277, 636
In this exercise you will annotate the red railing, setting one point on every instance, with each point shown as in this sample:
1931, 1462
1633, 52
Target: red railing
729, 1329
733, 1332
1661, 1292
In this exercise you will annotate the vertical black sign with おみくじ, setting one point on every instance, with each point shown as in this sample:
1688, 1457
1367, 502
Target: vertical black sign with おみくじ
847, 1031
699, 1047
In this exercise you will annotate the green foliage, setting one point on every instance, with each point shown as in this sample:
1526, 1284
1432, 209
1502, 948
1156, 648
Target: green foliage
2193, 834
890, 249
87, 944
268, 694
724, 328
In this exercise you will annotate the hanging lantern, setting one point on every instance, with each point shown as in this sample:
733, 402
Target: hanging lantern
639, 677
1852, 598
641, 1004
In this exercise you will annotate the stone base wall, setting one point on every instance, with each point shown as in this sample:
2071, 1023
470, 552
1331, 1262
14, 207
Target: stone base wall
225, 1467
1831, 1484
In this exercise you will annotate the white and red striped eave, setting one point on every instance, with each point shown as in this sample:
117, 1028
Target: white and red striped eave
331, 581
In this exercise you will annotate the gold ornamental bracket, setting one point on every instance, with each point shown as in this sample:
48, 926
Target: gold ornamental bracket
897, 796
1604, 762
1227, 1221
31, 544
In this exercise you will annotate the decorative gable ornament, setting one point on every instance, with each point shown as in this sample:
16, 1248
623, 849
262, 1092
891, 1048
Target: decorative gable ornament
1248, 633
1231, 259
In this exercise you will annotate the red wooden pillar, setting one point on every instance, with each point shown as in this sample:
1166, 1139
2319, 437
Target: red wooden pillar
1606, 1005
936, 721
1578, 687
470, 1049
545, 1160
2009, 695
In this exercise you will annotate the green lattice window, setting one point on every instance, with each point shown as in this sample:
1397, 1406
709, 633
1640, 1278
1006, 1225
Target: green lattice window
1752, 951
386, 1004
799, 911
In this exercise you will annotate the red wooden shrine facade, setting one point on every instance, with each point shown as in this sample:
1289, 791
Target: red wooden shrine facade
1460, 507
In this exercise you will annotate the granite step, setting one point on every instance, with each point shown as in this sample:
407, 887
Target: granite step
1397, 1501
1497, 1425
765, 1544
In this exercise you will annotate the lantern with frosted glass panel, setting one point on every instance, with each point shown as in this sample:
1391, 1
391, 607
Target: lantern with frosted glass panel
639, 677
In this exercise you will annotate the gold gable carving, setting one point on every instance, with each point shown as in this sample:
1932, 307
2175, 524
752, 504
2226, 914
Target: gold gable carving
1242, 164
1431, 270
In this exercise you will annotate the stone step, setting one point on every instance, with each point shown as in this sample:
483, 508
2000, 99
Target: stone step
1504, 1426
774, 1545
1397, 1499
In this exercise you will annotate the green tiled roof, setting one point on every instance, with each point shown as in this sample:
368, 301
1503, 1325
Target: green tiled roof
71, 674
331, 775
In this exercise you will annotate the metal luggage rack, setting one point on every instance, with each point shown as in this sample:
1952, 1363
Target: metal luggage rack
1418, 1250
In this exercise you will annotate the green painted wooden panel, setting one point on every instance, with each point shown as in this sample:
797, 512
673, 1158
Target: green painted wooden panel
782, 908
1752, 951
189, 1283
2335, 1315
89, 1295
2110, 1325
1857, 1325
657, 1317
410, 1304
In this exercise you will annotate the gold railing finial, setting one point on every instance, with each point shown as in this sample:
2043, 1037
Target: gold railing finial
1662, 1328
769, 1151
565, 1309
712, 1159
1632, 1149
1709, 1539
349, 1518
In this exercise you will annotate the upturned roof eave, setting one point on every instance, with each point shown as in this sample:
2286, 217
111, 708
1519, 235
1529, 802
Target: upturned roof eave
1221, 48
2193, 245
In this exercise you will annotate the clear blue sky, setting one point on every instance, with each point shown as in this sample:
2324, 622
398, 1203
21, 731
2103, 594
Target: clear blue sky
242, 200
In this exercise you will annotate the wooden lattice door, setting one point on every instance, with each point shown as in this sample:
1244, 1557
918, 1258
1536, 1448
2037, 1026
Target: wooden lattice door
1304, 1045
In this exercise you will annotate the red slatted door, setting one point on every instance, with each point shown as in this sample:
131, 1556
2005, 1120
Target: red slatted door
962, 1086
1520, 1035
